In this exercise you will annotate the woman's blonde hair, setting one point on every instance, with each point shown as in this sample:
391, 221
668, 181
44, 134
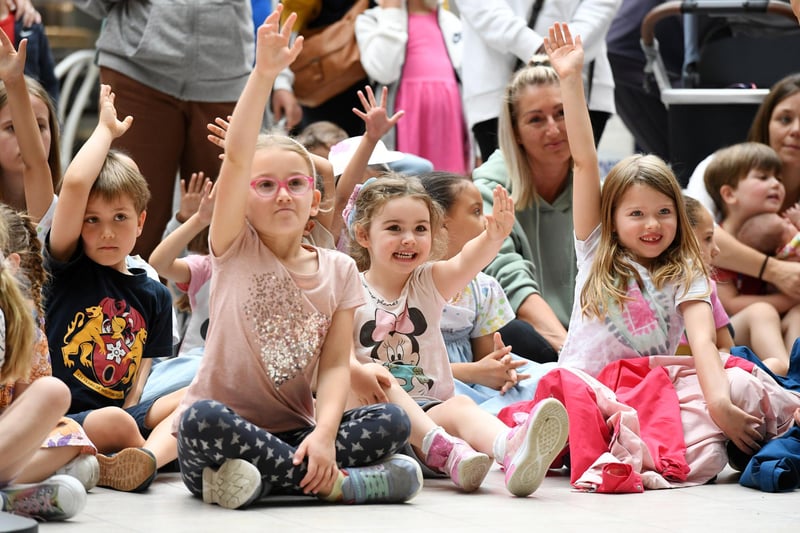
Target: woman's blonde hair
536, 73
20, 327
613, 266
370, 202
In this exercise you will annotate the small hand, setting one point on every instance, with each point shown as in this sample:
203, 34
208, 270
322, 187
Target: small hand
12, 62
566, 55
206, 208
322, 470
219, 130
369, 383
501, 221
377, 122
273, 52
108, 113
739, 426
793, 215
192, 195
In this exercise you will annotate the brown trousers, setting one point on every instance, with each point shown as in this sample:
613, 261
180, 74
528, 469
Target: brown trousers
168, 135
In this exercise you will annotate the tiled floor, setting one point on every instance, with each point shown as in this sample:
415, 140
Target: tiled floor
724, 507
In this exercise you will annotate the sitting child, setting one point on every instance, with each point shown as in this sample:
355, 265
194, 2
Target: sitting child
743, 180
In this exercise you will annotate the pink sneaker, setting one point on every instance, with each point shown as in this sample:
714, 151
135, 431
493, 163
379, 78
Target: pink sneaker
456, 458
531, 447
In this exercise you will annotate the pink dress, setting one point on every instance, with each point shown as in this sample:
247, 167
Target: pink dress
433, 126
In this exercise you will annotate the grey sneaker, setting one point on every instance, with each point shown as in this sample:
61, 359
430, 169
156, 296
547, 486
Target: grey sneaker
85, 468
396, 479
532, 446
237, 483
57, 498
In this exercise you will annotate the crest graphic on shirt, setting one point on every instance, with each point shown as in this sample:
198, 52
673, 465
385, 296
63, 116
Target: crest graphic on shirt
109, 339
393, 342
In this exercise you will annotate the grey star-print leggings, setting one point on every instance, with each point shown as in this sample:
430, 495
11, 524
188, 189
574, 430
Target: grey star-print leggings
210, 433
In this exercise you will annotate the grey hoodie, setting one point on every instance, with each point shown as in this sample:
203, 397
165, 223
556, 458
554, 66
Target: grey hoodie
194, 50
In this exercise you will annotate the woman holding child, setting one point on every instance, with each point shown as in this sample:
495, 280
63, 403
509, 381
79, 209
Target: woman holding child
776, 124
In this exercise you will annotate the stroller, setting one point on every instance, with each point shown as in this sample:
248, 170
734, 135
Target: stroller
747, 46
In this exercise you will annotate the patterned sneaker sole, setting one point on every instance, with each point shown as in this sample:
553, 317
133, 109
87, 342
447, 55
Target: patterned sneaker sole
57, 498
472, 471
131, 470
546, 437
237, 483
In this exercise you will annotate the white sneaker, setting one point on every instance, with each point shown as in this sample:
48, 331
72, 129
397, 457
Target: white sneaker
237, 483
57, 498
532, 446
84, 468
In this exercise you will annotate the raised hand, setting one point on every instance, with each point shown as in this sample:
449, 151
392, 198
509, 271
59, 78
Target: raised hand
12, 62
566, 54
501, 221
108, 114
206, 208
377, 121
219, 130
273, 52
192, 195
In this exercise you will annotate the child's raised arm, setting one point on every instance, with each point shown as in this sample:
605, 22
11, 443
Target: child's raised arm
165, 257
452, 275
377, 124
566, 56
272, 55
37, 178
81, 175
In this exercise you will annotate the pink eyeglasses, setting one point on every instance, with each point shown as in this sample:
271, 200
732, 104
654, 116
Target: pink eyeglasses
294, 185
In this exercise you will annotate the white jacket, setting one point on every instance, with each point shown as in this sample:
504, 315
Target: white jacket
496, 34
382, 35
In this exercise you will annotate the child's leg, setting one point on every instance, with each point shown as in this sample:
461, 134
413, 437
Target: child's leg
525, 451
27, 421
254, 463
759, 326
160, 417
45, 462
111, 429
791, 331
436, 448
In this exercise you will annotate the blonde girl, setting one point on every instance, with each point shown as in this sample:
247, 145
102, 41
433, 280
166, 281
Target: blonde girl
26, 421
641, 274
395, 232
280, 316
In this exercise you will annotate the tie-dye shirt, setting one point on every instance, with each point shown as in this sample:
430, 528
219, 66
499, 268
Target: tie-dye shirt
648, 324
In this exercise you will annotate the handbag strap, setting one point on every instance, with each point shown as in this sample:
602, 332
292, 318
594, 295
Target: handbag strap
537, 8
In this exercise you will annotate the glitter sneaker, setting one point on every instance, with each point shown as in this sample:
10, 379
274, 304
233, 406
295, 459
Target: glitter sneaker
237, 483
131, 470
84, 468
396, 479
57, 498
531, 447
454, 457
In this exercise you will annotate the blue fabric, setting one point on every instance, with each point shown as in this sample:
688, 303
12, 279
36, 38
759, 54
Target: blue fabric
776, 466
792, 379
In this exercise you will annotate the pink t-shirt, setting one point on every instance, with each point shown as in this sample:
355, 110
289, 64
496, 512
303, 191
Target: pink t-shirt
404, 335
267, 328
721, 318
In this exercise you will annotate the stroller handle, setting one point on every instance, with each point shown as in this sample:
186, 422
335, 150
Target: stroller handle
718, 7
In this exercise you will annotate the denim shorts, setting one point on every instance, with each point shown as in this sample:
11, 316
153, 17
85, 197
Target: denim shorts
138, 412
